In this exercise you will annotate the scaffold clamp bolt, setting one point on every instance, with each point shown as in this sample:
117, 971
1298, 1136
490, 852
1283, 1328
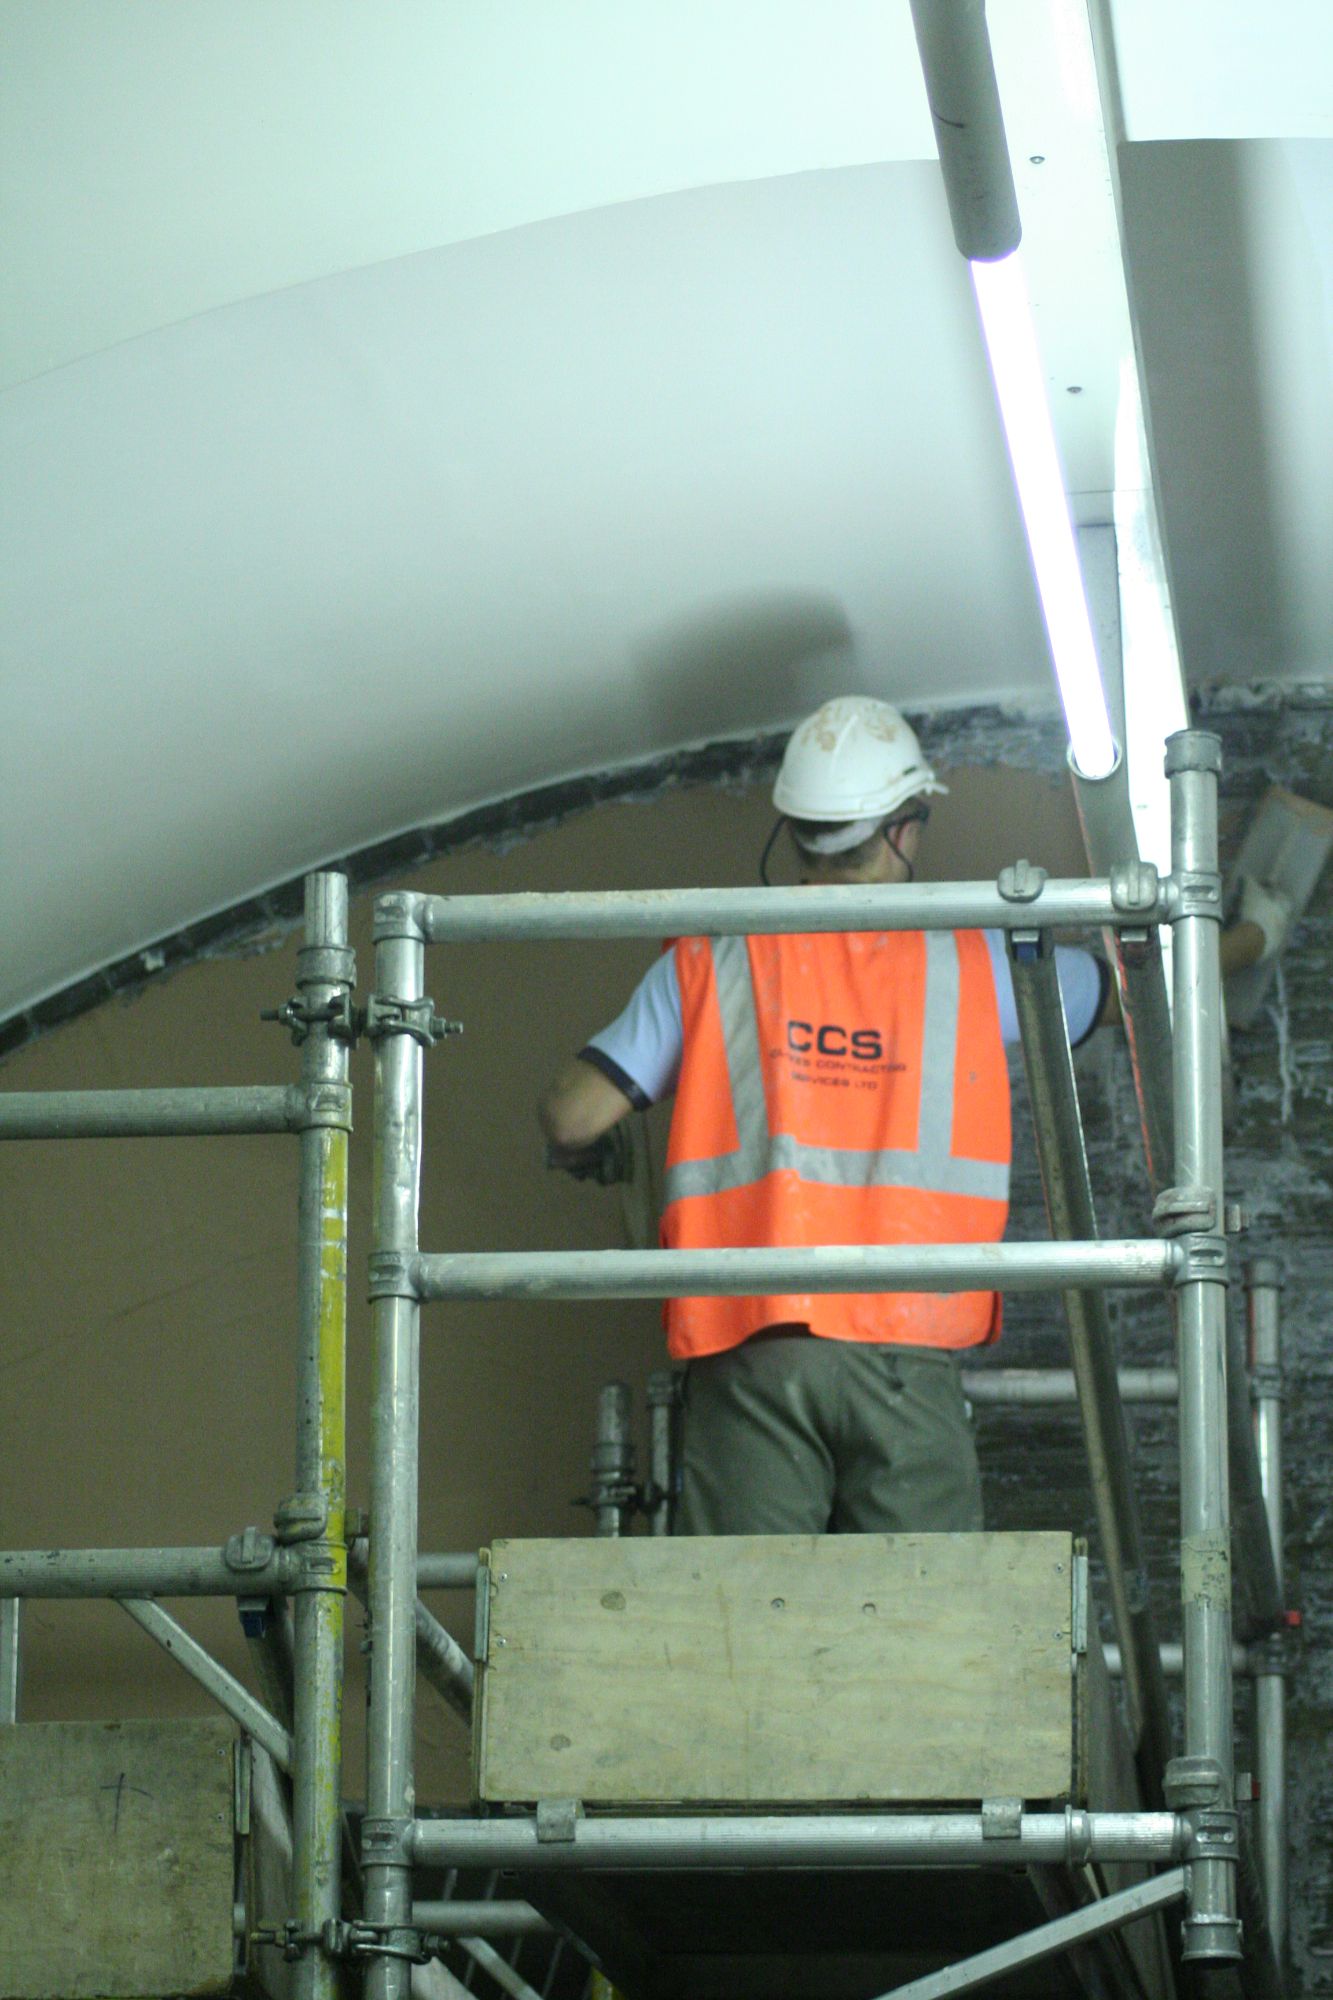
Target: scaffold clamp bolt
1179, 1210
249, 1550
301, 1517
1022, 882
338, 1015
387, 1014
1135, 887
1193, 1781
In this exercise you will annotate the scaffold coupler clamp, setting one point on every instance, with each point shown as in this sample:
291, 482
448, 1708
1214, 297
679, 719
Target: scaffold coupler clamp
1136, 898
343, 1938
1022, 882
387, 1843
301, 1524
1188, 1216
299, 1016
387, 1014
1197, 1788
392, 1275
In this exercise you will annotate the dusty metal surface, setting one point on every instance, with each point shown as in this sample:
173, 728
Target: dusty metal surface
1280, 1165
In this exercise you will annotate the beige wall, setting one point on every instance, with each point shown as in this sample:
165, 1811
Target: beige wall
148, 1285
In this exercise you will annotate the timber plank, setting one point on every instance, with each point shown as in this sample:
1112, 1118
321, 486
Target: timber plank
777, 1670
116, 1859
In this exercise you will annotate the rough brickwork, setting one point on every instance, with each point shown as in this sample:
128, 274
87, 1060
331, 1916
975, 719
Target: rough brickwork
1280, 1162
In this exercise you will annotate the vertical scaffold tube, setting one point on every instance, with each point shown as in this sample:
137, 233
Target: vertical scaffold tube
1263, 1283
1202, 1783
1063, 1160
613, 1460
390, 1796
11, 1657
324, 977
661, 1449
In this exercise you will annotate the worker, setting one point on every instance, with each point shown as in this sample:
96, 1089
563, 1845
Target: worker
837, 1087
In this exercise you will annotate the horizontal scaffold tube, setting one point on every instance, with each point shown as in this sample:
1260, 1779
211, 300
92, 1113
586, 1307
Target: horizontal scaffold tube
489, 1919
447, 1572
800, 1841
145, 1572
659, 913
453, 1571
670, 1274
147, 1114
1172, 1657
1057, 1385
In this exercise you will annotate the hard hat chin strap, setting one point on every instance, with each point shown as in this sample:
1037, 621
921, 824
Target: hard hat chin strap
862, 831
778, 825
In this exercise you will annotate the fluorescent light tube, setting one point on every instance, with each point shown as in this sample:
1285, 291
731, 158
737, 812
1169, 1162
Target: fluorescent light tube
1015, 361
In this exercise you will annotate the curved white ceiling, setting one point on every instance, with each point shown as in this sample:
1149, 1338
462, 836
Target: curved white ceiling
306, 570
414, 404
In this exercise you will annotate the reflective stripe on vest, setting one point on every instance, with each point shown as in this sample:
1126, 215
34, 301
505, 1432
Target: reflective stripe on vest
838, 1090
930, 1167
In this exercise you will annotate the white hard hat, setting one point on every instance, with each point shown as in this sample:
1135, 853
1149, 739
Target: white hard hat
854, 758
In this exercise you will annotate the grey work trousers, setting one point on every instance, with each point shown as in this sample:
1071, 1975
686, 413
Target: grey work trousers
789, 1434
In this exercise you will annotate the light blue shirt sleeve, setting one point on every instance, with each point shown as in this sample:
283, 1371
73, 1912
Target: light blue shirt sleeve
1082, 984
645, 1042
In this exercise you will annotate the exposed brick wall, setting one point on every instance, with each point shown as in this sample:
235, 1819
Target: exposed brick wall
1280, 1163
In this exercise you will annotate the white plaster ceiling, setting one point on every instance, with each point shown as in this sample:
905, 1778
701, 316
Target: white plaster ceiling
409, 405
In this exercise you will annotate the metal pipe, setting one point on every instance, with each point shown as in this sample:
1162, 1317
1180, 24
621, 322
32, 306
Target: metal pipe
440, 1659
1172, 1655
11, 1658
447, 1572
659, 913
1107, 821
1055, 1386
1072, 1215
612, 1460
1251, 1538
143, 1114
1206, 1784
213, 1677
657, 1274
1263, 1292
663, 1399
395, 1403
1093, 1920
800, 1840
493, 1919
969, 126
498, 1968
325, 975
1264, 1280
251, 1565
454, 1571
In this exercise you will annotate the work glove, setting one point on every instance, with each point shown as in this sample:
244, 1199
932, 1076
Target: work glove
1268, 909
606, 1161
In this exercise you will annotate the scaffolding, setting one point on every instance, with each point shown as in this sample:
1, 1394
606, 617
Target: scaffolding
291, 1585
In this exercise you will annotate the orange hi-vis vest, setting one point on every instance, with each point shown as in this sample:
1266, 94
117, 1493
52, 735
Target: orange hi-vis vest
838, 1088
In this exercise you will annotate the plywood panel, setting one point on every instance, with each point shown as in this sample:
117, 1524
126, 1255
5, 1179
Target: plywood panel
779, 1669
117, 1852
